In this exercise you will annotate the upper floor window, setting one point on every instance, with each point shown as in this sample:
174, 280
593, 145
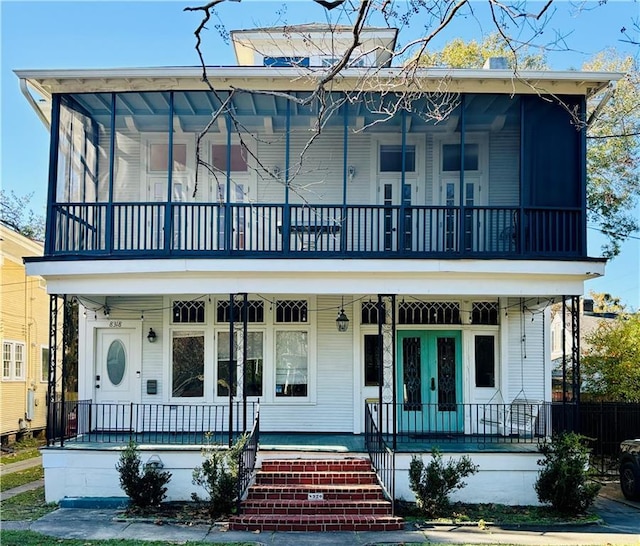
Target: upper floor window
286, 61
234, 157
391, 158
13, 366
451, 157
159, 157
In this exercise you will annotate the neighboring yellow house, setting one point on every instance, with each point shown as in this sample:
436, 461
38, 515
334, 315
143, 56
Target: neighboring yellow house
24, 329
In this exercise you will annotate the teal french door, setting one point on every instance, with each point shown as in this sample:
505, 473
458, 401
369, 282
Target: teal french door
429, 382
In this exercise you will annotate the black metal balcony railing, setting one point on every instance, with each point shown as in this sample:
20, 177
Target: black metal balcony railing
246, 230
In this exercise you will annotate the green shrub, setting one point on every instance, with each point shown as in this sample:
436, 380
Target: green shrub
564, 479
218, 476
433, 483
146, 487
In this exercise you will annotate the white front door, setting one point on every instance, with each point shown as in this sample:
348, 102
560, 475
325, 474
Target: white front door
117, 368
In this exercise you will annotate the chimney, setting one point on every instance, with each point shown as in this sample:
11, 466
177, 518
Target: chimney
496, 63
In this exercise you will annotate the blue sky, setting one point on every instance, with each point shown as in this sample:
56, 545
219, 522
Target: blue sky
100, 34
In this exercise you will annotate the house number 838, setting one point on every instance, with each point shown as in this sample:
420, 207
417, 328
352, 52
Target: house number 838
115, 324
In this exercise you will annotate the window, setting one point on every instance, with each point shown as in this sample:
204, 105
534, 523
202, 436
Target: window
44, 364
237, 154
451, 157
484, 312
391, 158
288, 311
280, 62
252, 368
255, 311
292, 363
429, 312
485, 357
13, 365
371, 360
159, 157
187, 364
369, 312
188, 312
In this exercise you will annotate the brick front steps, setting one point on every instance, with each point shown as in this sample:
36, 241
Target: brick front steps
316, 495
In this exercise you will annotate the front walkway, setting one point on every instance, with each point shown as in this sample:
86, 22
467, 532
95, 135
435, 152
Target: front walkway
621, 526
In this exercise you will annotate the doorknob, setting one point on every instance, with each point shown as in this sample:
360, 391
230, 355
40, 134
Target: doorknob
433, 384
97, 386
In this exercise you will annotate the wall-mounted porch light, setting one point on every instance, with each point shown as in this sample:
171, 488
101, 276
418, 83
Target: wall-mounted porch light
151, 336
342, 322
351, 172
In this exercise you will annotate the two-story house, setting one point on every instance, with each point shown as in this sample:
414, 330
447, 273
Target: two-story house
371, 266
24, 329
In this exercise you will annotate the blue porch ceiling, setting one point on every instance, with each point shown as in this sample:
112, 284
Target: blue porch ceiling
149, 111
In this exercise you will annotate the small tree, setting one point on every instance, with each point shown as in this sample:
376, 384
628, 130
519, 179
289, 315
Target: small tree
610, 368
145, 487
433, 483
218, 476
564, 479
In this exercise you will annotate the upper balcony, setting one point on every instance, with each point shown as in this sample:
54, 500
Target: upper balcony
432, 175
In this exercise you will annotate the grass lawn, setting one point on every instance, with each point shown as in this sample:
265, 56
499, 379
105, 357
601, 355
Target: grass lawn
9, 481
19, 455
486, 514
29, 538
26, 506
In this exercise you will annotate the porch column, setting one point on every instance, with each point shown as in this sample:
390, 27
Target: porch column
575, 359
237, 356
52, 413
387, 359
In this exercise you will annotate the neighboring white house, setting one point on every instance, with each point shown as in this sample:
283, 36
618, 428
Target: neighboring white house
440, 216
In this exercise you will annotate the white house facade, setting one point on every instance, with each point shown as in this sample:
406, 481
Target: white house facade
385, 280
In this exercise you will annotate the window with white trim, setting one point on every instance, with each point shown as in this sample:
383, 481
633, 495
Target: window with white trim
187, 364
13, 365
44, 364
292, 363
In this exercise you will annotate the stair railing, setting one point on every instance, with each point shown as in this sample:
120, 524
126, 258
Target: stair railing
247, 460
383, 458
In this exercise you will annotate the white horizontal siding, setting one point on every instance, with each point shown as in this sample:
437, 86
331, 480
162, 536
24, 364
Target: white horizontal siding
526, 354
504, 167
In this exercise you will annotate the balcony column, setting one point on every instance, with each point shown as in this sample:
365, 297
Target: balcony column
387, 359
345, 169
109, 239
461, 210
49, 246
168, 213
228, 243
286, 216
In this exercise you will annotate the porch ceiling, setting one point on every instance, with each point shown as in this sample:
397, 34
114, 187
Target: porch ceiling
424, 277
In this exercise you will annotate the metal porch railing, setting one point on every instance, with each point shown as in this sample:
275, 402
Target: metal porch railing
86, 421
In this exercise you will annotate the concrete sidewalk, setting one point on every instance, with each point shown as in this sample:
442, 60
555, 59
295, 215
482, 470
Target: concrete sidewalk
621, 526
9, 468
